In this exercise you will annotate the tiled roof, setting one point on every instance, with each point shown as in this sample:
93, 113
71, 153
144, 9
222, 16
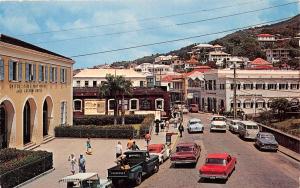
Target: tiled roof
263, 67
169, 78
260, 61
265, 35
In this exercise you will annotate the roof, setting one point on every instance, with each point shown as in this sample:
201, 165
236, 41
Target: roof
78, 177
186, 144
218, 46
217, 155
101, 73
263, 67
204, 46
218, 53
193, 60
169, 78
249, 122
265, 35
17, 42
260, 61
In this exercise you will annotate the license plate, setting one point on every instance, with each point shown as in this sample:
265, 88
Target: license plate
213, 177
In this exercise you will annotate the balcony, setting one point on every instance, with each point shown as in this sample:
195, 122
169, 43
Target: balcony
86, 91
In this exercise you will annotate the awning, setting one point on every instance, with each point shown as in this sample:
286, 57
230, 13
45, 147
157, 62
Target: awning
78, 177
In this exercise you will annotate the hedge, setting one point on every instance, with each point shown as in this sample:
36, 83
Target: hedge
18, 166
146, 125
107, 120
92, 131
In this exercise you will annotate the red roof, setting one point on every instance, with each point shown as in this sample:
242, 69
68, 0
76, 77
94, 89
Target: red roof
260, 61
263, 67
218, 155
265, 35
169, 78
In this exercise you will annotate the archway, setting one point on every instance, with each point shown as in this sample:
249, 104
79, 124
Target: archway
47, 112
7, 113
3, 128
26, 123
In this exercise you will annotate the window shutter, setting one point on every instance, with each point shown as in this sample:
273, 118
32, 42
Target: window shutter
11, 70
264, 86
256, 105
297, 86
40, 72
27, 72
46, 73
264, 104
1, 69
34, 72
251, 86
256, 86
251, 104
275, 86
231, 86
244, 105
20, 71
51, 76
61, 75
286, 86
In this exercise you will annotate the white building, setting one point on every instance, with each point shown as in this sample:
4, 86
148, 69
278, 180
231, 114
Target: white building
158, 69
218, 56
94, 77
166, 60
277, 54
238, 61
266, 38
255, 89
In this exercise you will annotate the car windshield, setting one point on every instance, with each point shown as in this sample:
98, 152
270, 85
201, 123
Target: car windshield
252, 127
194, 122
215, 161
218, 119
267, 136
184, 148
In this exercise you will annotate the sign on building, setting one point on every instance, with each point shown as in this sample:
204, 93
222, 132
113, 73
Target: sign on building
94, 107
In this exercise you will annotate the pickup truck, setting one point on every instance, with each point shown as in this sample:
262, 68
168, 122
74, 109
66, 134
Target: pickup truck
139, 163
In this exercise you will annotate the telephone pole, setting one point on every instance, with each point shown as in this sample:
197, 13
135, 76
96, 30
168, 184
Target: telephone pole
234, 92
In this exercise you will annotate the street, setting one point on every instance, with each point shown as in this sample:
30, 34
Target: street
254, 168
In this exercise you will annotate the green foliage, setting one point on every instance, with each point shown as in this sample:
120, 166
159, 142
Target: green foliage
146, 125
18, 166
280, 106
107, 120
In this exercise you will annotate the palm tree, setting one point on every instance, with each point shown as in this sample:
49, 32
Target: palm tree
113, 86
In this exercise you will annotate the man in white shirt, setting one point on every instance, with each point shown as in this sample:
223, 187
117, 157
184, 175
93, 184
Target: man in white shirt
119, 149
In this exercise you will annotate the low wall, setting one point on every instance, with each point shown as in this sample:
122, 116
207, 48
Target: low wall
285, 140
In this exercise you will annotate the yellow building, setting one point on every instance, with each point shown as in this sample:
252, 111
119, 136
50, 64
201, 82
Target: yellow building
35, 93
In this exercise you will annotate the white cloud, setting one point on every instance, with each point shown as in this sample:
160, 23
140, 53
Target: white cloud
18, 24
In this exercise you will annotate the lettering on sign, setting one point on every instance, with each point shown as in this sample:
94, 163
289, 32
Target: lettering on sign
27, 88
94, 107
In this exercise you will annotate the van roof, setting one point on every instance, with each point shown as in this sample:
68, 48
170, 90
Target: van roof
248, 122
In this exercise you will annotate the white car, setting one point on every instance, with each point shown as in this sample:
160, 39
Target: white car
233, 125
161, 150
218, 123
195, 125
248, 130
185, 110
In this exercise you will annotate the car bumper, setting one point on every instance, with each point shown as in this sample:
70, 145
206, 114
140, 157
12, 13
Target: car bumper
196, 130
212, 176
251, 137
269, 147
184, 162
218, 128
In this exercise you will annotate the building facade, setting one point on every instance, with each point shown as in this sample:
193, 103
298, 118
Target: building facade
35, 93
255, 89
277, 54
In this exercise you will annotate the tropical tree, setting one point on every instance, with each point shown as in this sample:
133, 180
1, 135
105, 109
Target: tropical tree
280, 106
112, 87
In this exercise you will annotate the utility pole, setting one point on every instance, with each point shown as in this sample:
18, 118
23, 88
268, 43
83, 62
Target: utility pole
234, 92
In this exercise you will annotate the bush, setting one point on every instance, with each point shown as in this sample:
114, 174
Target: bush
107, 120
92, 131
146, 125
18, 166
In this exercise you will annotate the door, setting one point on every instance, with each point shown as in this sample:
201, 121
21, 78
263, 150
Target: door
26, 123
45, 119
3, 131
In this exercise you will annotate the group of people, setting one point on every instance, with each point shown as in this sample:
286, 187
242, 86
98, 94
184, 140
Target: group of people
131, 145
162, 125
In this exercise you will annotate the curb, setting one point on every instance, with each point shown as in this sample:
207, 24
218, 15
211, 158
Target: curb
175, 142
34, 178
289, 155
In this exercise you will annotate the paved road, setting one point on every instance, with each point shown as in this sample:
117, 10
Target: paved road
254, 168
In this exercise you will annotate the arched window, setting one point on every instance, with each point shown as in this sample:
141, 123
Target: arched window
111, 104
77, 103
260, 103
159, 104
248, 104
133, 104
238, 103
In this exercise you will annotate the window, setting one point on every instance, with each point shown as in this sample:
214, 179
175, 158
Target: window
248, 104
15, 71
78, 105
214, 84
146, 104
1, 69
222, 86
159, 104
141, 83
78, 83
238, 104
248, 86
283, 86
41, 73
238, 86
63, 113
260, 86
94, 83
292, 86
63, 75
53, 74
260, 104
30, 72
272, 86
133, 104
86, 83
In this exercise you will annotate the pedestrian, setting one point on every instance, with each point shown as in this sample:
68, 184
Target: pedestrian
119, 149
73, 161
162, 126
181, 129
134, 146
147, 138
81, 164
129, 143
157, 126
167, 125
176, 121
88, 147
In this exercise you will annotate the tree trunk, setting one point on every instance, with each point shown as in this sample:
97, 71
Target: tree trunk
115, 110
122, 110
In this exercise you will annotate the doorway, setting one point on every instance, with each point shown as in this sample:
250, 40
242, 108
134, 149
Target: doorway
26, 123
3, 128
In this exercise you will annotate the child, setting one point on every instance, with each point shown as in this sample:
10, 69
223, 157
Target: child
88, 147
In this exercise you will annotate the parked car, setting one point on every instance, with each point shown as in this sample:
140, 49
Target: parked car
161, 150
266, 141
218, 166
85, 180
233, 125
194, 108
185, 110
135, 165
195, 125
248, 129
218, 123
186, 153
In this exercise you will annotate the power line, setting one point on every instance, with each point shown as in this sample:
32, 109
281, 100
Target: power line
178, 24
180, 39
140, 20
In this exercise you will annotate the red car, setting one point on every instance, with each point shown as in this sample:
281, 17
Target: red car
194, 108
186, 153
218, 166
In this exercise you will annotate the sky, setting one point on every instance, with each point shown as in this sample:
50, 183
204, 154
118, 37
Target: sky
93, 22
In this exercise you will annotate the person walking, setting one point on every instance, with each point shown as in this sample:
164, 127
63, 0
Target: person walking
167, 125
81, 164
73, 161
181, 129
88, 147
156, 126
129, 143
135, 147
147, 138
119, 149
162, 126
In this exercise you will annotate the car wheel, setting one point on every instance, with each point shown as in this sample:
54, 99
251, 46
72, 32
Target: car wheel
138, 179
156, 168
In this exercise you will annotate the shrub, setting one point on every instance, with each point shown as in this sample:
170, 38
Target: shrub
84, 131
107, 120
18, 166
146, 125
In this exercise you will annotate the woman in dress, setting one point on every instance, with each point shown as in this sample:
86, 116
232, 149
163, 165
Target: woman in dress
73, 162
